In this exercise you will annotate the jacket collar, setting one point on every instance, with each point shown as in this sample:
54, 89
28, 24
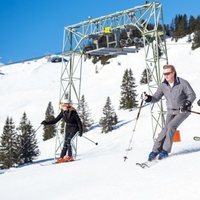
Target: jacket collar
176, 81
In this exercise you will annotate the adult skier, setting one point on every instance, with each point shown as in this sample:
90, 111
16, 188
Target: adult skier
73, 125
179, 98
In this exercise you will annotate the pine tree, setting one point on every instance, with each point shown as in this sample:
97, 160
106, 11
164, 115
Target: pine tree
146, 77
8, 145
109, 119
50, 130
184, 26
167, 30
128, 92
196, 40
192, 24
189, 38
180, 26
172, 27
29, 149
84, 114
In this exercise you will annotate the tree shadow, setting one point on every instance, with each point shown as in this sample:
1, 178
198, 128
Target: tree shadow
118, 125
43, 160
122, 123
95, 125
36, 162
2, 171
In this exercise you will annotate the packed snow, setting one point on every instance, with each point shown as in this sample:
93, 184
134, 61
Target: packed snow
100, 172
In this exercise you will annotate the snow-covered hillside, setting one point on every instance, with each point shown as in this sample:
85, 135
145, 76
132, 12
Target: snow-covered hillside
100, 172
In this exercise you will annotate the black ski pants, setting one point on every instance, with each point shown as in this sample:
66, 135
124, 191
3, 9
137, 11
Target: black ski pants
67, 143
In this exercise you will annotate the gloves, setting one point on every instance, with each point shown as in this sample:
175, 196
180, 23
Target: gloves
80, 133
186, 105
146, 97
44, 123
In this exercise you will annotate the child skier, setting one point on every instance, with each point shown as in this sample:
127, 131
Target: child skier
73, 124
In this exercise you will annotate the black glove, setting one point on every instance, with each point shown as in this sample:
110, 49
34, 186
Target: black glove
149, 98
44, 123
186, 105
146, 97
80, 133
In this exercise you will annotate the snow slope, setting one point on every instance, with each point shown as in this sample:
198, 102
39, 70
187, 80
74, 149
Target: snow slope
101, 172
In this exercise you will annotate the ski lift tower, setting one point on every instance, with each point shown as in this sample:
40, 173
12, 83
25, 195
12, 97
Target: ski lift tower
147, 19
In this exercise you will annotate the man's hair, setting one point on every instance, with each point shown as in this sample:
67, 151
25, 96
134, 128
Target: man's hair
170, 67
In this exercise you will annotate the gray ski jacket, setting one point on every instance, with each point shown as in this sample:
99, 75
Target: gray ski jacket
176, 95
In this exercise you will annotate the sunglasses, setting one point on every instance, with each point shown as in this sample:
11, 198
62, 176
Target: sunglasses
65, 104
167, 73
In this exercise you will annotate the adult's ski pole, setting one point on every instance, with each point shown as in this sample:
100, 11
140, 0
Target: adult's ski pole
130, 142
195, 112
96, 143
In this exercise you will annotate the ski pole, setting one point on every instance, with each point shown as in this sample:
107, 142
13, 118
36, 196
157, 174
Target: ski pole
38, 128
130, 142
194, 112
190, 111
96, 143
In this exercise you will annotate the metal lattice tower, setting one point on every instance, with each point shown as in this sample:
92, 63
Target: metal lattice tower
148, 19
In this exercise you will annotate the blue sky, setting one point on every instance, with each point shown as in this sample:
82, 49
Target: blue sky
33, 28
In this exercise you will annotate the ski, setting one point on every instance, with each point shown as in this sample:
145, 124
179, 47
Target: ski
147, 164
55, 163
196, 138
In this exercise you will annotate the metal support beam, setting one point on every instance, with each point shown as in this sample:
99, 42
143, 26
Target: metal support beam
156, 57
148, 19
